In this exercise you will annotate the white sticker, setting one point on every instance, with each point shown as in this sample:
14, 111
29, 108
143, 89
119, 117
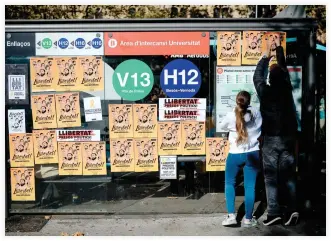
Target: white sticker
92, 108
16, 87
78, 135
168, 167
16, 121
182, 103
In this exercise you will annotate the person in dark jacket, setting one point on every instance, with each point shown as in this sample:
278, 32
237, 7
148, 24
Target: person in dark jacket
279, 127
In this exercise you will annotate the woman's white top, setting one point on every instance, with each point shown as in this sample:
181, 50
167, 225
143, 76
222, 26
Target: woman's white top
253, 125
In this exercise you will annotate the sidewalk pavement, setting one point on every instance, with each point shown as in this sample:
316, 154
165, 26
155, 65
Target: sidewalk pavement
156, 225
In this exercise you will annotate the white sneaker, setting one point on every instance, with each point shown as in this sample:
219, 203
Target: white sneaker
230, 219
249, 222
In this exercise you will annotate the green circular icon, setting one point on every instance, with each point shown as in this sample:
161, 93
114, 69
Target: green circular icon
133, 80
46, 43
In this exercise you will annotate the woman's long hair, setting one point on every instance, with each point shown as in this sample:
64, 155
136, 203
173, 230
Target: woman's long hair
243, 101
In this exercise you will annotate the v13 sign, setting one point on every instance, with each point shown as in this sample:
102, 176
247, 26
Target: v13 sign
180, 79
133, 80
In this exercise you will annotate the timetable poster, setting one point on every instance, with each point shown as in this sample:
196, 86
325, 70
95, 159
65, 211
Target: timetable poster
21, 150
122, 155
146, 156
193, 138
43, 111
169, 138
217, 150
70, 158
120, 121
45, 146
229, 48
68, 110
145, 120
22, 184
94, 158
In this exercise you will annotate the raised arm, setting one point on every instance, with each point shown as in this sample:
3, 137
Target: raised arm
259, 77
280, 56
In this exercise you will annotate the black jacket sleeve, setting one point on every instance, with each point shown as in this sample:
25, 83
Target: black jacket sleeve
280, 57
259, 77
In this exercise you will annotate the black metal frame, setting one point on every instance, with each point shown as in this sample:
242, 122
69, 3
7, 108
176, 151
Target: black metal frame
305, 25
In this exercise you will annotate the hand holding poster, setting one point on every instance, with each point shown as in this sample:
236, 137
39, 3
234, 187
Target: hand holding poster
21, 150
22, 184
145, 120
229, 48
270, 41
217, 150
145, 153
43, 111
169, 138
94, 158
68, 110
120, 121
92, 73
44, 74
193, 138
122, 155
252, 47
16, 121
45, 146
70, 158
69, 71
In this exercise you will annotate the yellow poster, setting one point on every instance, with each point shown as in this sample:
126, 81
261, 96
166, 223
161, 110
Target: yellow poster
68, 110
229, 48
43, 111
145, 154
120, 121
193, 138
69, 71
45, 146
70, 158
217, 150
21, 150
169, 138
274, 39
22, 184
43, 74
91, 75
94, 158
122, 155
145, 120
251, 47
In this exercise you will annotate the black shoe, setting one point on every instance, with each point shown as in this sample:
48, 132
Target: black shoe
272, 220
291, 218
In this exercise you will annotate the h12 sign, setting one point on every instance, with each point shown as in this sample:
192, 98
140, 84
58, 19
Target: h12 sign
133, 80
180, 78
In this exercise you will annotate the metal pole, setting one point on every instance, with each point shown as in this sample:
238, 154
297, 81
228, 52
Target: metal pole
256, 10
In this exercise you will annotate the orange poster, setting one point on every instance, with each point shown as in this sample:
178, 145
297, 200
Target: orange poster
45, 146
193, 138
169, 138
145, 120
91, 75
69, 71
22, 184
70, 158
94, 158
217, 150
120, 121
251, 47
43, 111
43, 74
145, 154
156, 43
122, 155
229, 48
274, 39
68, 110
21, 150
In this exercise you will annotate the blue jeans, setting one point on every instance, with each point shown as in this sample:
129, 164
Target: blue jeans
234, 162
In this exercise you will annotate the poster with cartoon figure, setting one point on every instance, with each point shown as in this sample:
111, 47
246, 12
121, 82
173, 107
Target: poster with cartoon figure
21, 150
69, 71
193, 138
45, 146
43, 74
94, 158
122, 155
120, 121
252, 47
217, 150
22, 184
68, 110
229, 48
273, 39
169, 138
145, 120
16, 121
92, 73
70, 158
43, 111
145, 154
